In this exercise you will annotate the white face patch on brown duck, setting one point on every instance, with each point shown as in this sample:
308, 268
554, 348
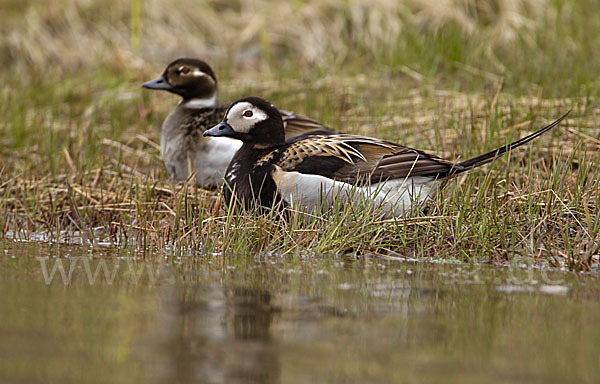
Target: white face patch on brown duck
242, 117
199, 73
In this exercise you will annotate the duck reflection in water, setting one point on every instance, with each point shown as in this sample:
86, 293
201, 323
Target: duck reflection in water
215, 334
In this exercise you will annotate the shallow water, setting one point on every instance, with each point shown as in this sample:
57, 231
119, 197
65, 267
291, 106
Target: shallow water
288, 319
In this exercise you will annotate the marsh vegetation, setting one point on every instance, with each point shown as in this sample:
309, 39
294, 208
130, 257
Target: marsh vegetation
79, 137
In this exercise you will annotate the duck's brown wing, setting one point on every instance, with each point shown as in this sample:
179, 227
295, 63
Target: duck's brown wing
298, 125
412, 162
348, 157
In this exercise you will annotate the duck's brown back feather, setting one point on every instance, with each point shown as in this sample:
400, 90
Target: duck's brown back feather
348, 158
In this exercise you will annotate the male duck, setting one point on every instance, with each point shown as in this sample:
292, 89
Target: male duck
311, 171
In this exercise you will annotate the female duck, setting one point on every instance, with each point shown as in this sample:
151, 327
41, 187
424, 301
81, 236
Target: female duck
182, 147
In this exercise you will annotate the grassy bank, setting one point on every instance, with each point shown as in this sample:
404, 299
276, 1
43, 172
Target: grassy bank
79, 138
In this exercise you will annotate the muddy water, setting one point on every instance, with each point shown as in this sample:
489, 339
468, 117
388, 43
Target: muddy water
110, 317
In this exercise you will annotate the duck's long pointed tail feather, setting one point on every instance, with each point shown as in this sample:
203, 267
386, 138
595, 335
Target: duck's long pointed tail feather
490, 156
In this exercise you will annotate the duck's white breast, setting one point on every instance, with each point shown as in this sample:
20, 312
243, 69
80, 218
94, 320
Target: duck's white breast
212, 162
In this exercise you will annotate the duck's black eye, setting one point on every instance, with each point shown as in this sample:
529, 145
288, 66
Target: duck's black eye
184, 70
248, 113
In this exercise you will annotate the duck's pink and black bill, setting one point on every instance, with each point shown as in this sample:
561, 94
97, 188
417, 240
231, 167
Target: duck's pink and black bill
158, 83
221, 130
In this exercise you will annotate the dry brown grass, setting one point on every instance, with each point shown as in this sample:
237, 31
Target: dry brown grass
76, 33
